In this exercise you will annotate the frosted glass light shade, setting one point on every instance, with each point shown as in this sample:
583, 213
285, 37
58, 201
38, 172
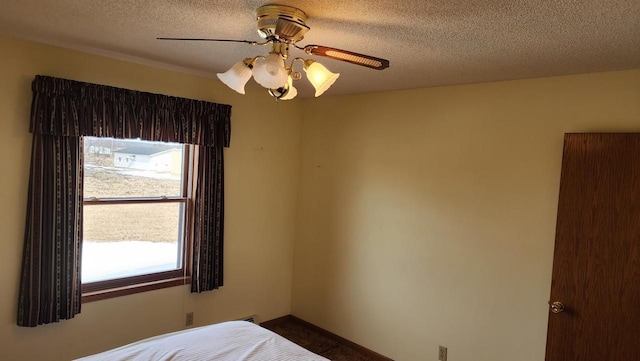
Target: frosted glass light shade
292, 91
319, 76
236, 77
270, 72
285, 92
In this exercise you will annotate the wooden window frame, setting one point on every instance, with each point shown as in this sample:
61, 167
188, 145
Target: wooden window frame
100, 290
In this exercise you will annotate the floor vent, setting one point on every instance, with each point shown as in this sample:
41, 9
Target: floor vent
251, 319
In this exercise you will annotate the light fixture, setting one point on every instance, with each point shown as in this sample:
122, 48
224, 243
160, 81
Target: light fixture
291, 92
319, 76
286, 92
239, 74
272, 72
283, 26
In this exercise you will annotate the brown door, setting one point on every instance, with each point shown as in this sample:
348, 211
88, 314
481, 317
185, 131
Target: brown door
596, 265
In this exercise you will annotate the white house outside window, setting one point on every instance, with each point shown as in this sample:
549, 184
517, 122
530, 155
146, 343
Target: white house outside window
135, 211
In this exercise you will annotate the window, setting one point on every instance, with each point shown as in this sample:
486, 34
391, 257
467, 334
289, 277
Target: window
135, 216
63, 112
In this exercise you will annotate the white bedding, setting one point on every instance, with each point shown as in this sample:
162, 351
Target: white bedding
235, 340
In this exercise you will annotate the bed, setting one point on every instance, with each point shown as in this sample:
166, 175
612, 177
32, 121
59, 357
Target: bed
234, 340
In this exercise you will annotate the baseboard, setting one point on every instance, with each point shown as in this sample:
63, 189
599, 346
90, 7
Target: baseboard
275, 322
340, 340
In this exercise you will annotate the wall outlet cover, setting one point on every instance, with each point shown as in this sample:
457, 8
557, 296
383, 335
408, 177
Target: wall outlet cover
442, 353
189, 319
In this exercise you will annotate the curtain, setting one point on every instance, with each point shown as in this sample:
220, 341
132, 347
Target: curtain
62, 111
69, 108
50, 288
208, 225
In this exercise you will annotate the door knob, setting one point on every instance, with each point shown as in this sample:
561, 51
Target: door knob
557, 307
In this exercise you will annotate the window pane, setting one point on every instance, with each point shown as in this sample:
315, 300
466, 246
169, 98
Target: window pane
131, 168
123, 240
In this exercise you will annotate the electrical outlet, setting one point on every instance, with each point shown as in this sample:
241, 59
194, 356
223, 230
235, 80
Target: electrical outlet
442, 353
189, 319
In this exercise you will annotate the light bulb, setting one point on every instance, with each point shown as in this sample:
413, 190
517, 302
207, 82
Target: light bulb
319, 76
292, 91
237, 76
285, 92
270, 72
273, 63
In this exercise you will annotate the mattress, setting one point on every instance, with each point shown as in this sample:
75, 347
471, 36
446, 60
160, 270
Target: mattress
234, 340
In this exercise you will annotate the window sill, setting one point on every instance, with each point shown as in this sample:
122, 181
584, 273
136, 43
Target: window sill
133, 289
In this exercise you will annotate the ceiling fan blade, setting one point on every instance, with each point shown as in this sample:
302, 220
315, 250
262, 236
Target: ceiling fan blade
348, 56
223, 40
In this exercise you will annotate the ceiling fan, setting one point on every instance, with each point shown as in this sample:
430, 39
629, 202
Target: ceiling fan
282, 27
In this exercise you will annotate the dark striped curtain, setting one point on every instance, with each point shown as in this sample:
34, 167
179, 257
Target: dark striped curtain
50, 287
63, 111
208, 225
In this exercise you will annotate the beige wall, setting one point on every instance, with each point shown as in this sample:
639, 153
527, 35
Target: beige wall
261, 182
427, 217
423, 217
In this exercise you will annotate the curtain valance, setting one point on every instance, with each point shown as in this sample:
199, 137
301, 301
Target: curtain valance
65, 107
61, 112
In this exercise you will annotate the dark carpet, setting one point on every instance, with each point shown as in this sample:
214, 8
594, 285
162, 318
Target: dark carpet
316, 342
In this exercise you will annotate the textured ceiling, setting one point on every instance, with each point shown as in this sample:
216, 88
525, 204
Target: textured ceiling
429, 43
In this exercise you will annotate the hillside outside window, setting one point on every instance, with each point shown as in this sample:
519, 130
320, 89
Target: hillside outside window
135, 213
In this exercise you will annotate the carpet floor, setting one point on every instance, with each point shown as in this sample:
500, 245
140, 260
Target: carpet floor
316, 342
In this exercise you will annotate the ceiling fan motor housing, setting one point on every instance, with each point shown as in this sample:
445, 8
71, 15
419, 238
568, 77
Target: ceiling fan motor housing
281, 23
